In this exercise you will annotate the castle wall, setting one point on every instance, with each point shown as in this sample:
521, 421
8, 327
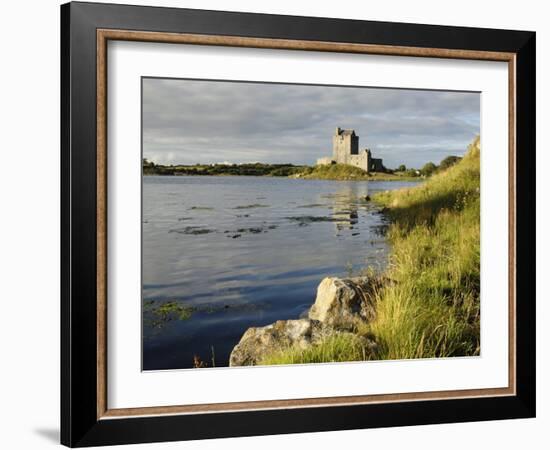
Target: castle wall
325, 161
343, 146
361, 160
376, 165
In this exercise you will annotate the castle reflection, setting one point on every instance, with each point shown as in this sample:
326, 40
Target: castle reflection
346, 204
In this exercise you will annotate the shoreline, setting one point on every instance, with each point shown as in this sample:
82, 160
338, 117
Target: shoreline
425, 305
377, 177
336, 172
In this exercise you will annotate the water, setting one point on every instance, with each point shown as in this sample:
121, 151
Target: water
236, 252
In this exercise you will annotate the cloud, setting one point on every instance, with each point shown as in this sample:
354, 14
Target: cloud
192, 121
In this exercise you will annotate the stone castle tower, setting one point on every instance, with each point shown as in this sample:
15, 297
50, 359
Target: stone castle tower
344, 144
345, 150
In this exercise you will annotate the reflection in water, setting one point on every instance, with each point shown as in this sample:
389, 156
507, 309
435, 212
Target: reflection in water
345, 204
222, 254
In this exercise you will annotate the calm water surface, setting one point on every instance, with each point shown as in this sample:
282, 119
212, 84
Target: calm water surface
238, 252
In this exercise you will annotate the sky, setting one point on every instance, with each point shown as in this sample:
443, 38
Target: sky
193, 121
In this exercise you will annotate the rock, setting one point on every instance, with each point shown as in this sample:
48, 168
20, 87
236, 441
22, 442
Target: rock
258, 341
341, 302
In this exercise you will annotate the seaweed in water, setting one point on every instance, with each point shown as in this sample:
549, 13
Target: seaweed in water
313, 205
158, 315
201, 208
251, 230
254, 205
191, 230
380, 230
307, 220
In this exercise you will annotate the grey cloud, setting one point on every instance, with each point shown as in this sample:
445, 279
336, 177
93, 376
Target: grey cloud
188, 121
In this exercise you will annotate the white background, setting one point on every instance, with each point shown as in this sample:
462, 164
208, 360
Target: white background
129, 387
29, 233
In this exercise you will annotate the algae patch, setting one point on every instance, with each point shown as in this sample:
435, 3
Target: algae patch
193, 230
254, 205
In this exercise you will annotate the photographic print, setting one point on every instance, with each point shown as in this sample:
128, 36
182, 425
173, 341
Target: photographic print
281, 211
298, 224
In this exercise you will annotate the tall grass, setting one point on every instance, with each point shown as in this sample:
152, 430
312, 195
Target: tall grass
336, 347
429, 307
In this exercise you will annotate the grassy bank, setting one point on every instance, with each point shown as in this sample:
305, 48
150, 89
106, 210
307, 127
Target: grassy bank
429, 307
345, 172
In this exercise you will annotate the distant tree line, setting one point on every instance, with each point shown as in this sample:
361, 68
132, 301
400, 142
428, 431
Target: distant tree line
277, 170
429, 168
255, 169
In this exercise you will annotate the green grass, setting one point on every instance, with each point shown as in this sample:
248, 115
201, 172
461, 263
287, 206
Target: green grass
346, 172
397, 176
431, 309
338, 347
334, 172
430, 306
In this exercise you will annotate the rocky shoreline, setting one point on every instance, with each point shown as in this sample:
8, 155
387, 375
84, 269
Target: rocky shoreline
426, 305
341, 305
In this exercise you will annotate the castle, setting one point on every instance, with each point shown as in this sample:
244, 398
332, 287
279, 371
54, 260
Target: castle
345, 150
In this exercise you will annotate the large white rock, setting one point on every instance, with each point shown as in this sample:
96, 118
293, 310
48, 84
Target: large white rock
341, 302
259, 341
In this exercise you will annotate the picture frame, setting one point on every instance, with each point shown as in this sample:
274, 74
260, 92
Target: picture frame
86, 418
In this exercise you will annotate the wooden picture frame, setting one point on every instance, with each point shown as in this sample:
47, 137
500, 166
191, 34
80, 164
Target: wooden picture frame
86, 418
